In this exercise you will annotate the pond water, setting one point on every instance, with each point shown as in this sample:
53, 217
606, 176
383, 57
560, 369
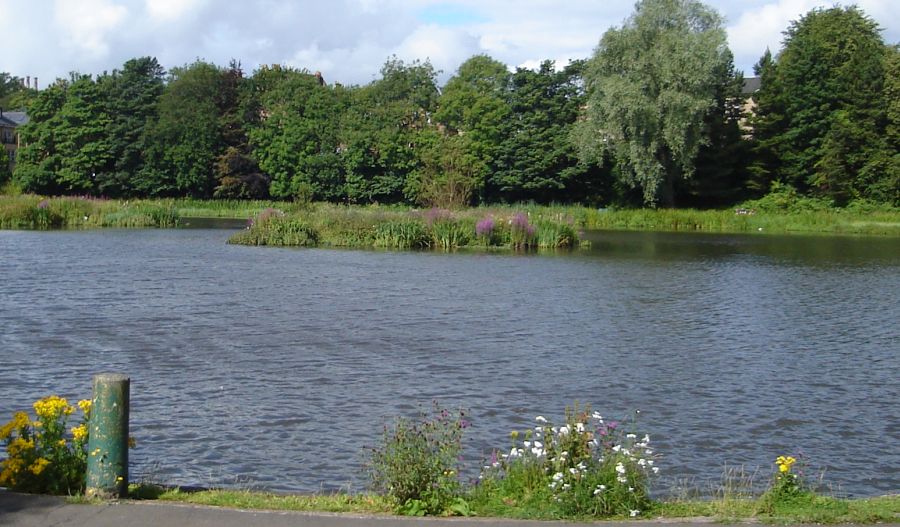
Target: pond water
276, 368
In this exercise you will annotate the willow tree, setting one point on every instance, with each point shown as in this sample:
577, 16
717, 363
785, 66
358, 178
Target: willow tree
651, 83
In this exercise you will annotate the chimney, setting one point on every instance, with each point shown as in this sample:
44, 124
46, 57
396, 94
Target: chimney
35, 84
28, 81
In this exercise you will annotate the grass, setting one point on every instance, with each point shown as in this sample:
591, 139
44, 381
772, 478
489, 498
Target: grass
397, 228
806, 510
35, 212
355, 226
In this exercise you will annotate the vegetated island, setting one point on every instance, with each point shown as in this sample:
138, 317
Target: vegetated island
394, 226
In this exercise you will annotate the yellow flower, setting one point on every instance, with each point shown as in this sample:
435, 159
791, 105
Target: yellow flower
6, 430
38, 466
79, 433
52, 407
132, 442
17, 446
61, 442
784, 463
85, 405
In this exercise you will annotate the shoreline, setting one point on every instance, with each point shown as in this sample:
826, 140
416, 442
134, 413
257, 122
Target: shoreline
38, 212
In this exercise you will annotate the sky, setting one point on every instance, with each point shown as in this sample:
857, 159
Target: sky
349, 40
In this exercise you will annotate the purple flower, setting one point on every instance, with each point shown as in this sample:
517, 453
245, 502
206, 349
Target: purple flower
43, 204
520, 221
485, 227
435, 214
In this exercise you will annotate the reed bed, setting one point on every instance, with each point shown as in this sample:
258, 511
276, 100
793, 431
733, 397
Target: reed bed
394, 228
36, 212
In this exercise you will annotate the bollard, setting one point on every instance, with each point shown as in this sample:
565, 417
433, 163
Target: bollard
107, 455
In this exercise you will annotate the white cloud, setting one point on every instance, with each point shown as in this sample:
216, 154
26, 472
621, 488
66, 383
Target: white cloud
168, 10
349, 40
87, 24
762, 27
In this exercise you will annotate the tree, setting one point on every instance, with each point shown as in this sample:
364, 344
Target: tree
721, 166
236, 172
651, 84
296, 138
14, 95
65, 140
186, 139
536, 158
81, 136
380, 131
474, 104
39, 159
450, 171
823, 103
131, 96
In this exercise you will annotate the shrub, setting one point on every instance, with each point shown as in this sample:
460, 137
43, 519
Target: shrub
43, 456
418, 463
588, 467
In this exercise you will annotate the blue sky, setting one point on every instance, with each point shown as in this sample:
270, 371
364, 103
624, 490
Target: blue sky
349, 40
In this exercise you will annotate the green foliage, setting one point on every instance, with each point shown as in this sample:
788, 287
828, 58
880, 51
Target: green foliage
39, 159
380, 131
450, 175
406, 234
273, 227
14, 95
417, 463
587, 467
784, 198
822, 106
34, 212
536, 159
185, 141
296, 138
651, 84
131, 97
43, 456
451, 233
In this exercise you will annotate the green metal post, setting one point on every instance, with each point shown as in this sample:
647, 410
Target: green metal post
107, 459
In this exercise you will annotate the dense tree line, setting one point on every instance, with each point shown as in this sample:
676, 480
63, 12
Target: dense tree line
653, 117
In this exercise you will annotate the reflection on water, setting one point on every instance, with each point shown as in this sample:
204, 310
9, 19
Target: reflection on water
276, 367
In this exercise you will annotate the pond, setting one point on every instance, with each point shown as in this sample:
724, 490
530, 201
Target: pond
276, 368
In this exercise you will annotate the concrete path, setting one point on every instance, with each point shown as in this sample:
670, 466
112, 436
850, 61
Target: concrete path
21, 510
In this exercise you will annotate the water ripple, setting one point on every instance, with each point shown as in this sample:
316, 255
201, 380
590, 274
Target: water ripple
276, 368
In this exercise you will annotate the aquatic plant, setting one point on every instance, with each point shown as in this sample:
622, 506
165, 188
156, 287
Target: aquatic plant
408, 234
521, 232
484, 230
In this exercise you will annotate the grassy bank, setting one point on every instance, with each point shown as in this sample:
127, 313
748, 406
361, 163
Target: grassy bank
809, 509
36, 212
339, 225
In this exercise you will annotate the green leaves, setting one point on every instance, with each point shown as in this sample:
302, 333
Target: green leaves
823, 106
651, 83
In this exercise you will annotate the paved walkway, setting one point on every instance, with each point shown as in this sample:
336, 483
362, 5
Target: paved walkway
21, 510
